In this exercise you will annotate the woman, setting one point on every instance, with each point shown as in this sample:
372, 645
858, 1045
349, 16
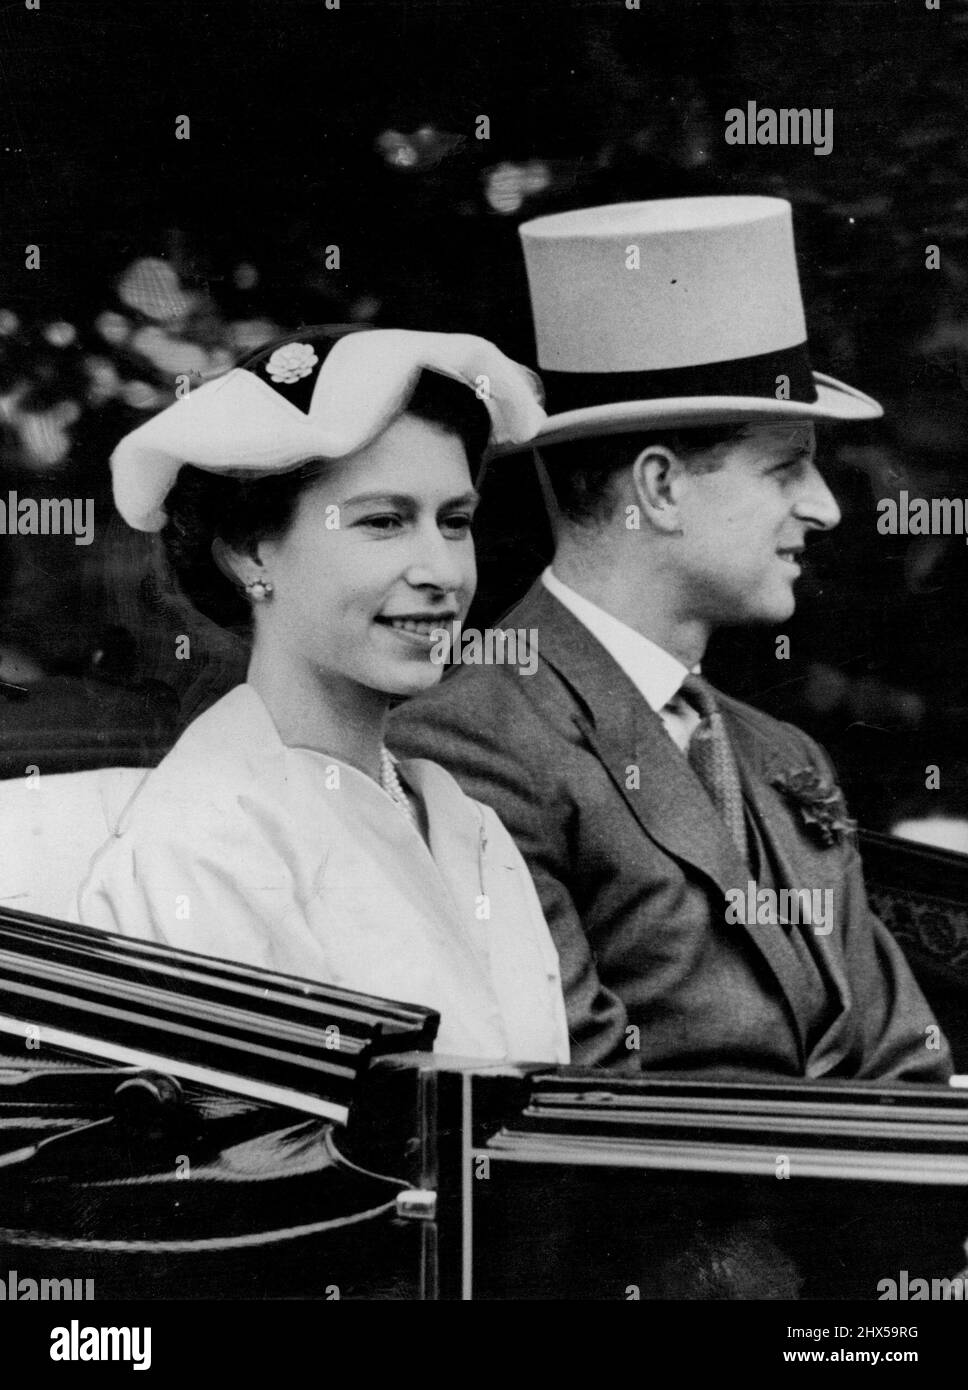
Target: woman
327, 504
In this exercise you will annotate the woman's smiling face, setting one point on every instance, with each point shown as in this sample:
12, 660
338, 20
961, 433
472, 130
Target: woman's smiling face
378, 554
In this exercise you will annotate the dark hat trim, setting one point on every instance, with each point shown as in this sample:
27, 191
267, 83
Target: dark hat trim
322, 338
740, 376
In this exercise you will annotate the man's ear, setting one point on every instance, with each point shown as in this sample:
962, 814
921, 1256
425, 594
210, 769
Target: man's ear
657, 475
238, 566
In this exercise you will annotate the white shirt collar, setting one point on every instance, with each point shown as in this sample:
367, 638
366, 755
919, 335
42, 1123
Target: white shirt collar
655, 673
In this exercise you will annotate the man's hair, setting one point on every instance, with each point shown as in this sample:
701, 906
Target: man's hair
242, 512
583, 471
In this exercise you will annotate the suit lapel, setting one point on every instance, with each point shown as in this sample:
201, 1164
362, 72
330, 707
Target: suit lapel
798, 863
630, 740
669, 802
662, 791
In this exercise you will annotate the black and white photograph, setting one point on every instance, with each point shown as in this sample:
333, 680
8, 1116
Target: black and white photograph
484, 666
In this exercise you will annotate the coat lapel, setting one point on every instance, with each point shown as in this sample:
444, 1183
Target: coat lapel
798, 863
670, 803
630, 740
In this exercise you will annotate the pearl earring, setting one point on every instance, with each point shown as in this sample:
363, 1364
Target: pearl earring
259, 589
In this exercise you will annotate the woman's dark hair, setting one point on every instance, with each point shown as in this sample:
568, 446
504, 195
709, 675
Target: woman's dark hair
582, 471
242, 512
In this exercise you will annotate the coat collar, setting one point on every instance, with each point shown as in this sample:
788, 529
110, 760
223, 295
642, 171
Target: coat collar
235, 744
630, 738
654, 672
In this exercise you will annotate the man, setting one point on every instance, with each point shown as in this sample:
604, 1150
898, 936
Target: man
694, 857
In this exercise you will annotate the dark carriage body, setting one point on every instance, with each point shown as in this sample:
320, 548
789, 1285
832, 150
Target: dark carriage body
380, 1170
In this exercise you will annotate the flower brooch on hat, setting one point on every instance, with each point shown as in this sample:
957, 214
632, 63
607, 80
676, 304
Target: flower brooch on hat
291, 362
323, 393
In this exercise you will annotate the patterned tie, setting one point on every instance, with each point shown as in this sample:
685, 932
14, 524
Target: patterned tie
711, 758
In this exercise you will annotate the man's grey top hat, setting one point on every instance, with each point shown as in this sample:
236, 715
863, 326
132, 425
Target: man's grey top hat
678, 312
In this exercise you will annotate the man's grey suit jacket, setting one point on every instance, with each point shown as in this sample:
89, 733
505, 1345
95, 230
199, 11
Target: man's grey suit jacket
632, 863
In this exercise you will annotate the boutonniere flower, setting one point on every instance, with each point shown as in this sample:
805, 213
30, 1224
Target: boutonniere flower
291, 362
820, 804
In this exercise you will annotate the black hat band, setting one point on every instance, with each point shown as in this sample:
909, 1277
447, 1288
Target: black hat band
740, 376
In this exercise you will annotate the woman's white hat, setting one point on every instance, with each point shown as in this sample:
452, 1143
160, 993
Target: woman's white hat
678, 312
314, 395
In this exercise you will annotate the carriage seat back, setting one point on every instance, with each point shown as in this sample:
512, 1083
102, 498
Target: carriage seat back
50, 828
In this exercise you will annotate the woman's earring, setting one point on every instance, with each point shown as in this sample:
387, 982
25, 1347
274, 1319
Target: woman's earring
259, 589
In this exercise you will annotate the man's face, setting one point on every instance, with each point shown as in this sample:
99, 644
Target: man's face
745, 526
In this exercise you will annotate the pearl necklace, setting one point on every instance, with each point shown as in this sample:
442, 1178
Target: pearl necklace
391, 784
